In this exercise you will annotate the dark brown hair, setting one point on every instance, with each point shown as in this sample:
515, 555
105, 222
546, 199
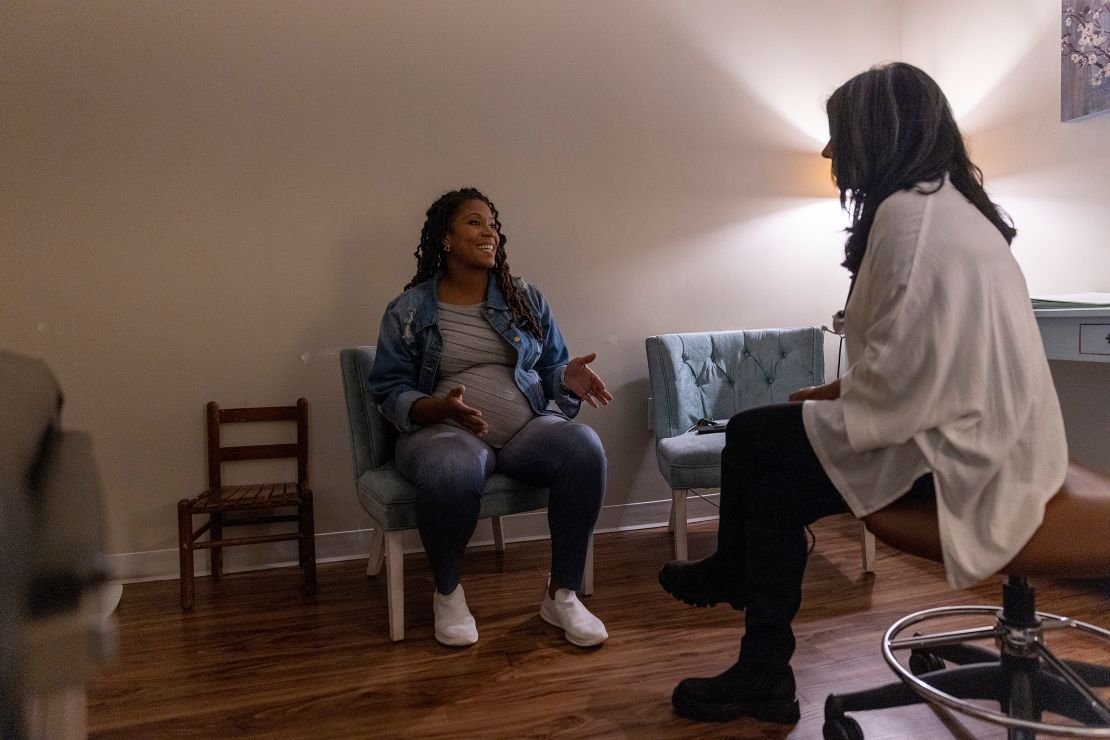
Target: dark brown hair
891, 128
430, 257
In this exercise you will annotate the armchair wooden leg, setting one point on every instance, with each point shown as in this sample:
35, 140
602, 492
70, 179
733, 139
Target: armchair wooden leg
185, 552
678, 512
377, 551
867, 548
215, 534
498, 534
670, 519
588, 570
395, 584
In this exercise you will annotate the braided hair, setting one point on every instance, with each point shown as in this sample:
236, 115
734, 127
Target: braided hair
430, 257
891, 128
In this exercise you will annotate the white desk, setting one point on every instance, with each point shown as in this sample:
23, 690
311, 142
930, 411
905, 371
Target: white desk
1078, 337
1077, 334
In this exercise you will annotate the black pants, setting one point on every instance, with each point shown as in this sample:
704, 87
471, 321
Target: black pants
772, 485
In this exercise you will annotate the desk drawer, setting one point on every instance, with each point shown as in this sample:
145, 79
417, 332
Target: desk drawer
1094, 339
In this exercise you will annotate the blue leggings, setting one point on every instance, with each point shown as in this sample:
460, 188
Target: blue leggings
450, 466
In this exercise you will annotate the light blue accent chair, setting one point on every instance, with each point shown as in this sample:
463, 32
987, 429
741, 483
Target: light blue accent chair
390, 499
715, 375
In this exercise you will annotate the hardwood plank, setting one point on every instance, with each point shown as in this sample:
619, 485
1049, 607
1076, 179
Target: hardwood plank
256, 658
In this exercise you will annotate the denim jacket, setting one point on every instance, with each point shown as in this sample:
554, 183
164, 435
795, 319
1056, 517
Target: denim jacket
409, 346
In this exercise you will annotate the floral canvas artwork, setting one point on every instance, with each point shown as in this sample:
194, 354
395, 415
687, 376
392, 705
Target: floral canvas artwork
1085, 58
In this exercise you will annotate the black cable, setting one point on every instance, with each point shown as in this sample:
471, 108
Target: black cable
703, 498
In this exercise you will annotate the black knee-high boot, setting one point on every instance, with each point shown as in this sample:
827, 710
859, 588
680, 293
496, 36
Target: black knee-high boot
777, 564
715, 579
719, 577
761, 683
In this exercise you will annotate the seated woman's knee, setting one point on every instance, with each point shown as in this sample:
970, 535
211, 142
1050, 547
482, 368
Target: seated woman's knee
451, 472
580, 442
743, 430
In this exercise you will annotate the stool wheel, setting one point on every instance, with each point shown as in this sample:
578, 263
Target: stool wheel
922, 661
842, 728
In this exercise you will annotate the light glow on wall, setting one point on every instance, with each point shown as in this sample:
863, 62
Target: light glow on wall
735, 33
794, 249
993, 40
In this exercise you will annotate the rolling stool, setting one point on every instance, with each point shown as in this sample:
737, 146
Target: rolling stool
1024, 677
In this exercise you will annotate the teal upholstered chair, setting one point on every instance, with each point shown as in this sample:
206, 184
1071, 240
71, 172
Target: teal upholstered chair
715, 375
389, 499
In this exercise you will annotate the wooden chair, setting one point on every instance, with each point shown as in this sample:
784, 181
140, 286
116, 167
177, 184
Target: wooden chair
252, 504
390, 499
1023, 677
715, 375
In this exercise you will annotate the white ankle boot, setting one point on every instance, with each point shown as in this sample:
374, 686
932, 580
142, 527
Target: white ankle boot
565, 611
454, 623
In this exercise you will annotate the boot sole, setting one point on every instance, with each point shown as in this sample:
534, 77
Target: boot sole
693, 599
780, 712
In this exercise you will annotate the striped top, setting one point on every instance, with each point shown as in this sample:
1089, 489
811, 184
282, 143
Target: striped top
476, 356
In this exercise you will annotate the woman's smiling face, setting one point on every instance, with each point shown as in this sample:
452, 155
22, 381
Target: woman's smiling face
473, 238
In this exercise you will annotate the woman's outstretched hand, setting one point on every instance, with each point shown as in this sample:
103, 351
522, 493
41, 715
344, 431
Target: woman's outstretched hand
826, 392
585, 383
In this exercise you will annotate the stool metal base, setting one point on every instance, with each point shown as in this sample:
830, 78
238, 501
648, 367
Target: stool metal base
1025, 677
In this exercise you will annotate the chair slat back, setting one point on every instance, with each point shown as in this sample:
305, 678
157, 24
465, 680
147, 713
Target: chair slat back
258, 452
261, 413
372, 437
218, 454
715, 375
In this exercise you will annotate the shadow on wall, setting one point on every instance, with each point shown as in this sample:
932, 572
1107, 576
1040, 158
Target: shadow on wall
365, 279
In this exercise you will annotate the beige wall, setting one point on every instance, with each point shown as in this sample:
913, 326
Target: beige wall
999, 63
205, 200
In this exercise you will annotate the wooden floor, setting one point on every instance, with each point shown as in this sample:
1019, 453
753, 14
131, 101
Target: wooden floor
255, 658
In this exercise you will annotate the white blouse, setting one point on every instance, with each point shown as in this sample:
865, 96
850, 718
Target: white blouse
947, 375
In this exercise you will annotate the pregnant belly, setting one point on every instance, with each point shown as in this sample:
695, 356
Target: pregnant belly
492, 390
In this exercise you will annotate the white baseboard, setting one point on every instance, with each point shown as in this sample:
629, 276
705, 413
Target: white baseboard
157, 565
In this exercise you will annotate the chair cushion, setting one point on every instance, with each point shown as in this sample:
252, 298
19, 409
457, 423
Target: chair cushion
691, 460
1071, 540
390, 499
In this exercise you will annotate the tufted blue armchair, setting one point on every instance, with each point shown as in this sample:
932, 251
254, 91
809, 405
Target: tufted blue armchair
715, 375
389, 499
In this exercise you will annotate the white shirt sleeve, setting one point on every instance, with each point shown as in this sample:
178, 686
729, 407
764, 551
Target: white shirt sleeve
902, 382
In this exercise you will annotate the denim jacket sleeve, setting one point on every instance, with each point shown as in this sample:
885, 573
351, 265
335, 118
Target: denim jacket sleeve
553, 359
394, 377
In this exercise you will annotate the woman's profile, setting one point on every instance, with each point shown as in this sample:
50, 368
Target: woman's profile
948, 393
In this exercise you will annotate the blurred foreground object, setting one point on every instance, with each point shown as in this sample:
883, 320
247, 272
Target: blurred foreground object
55, 629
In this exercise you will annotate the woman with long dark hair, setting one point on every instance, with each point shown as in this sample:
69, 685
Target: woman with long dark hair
948, 393
468, 359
